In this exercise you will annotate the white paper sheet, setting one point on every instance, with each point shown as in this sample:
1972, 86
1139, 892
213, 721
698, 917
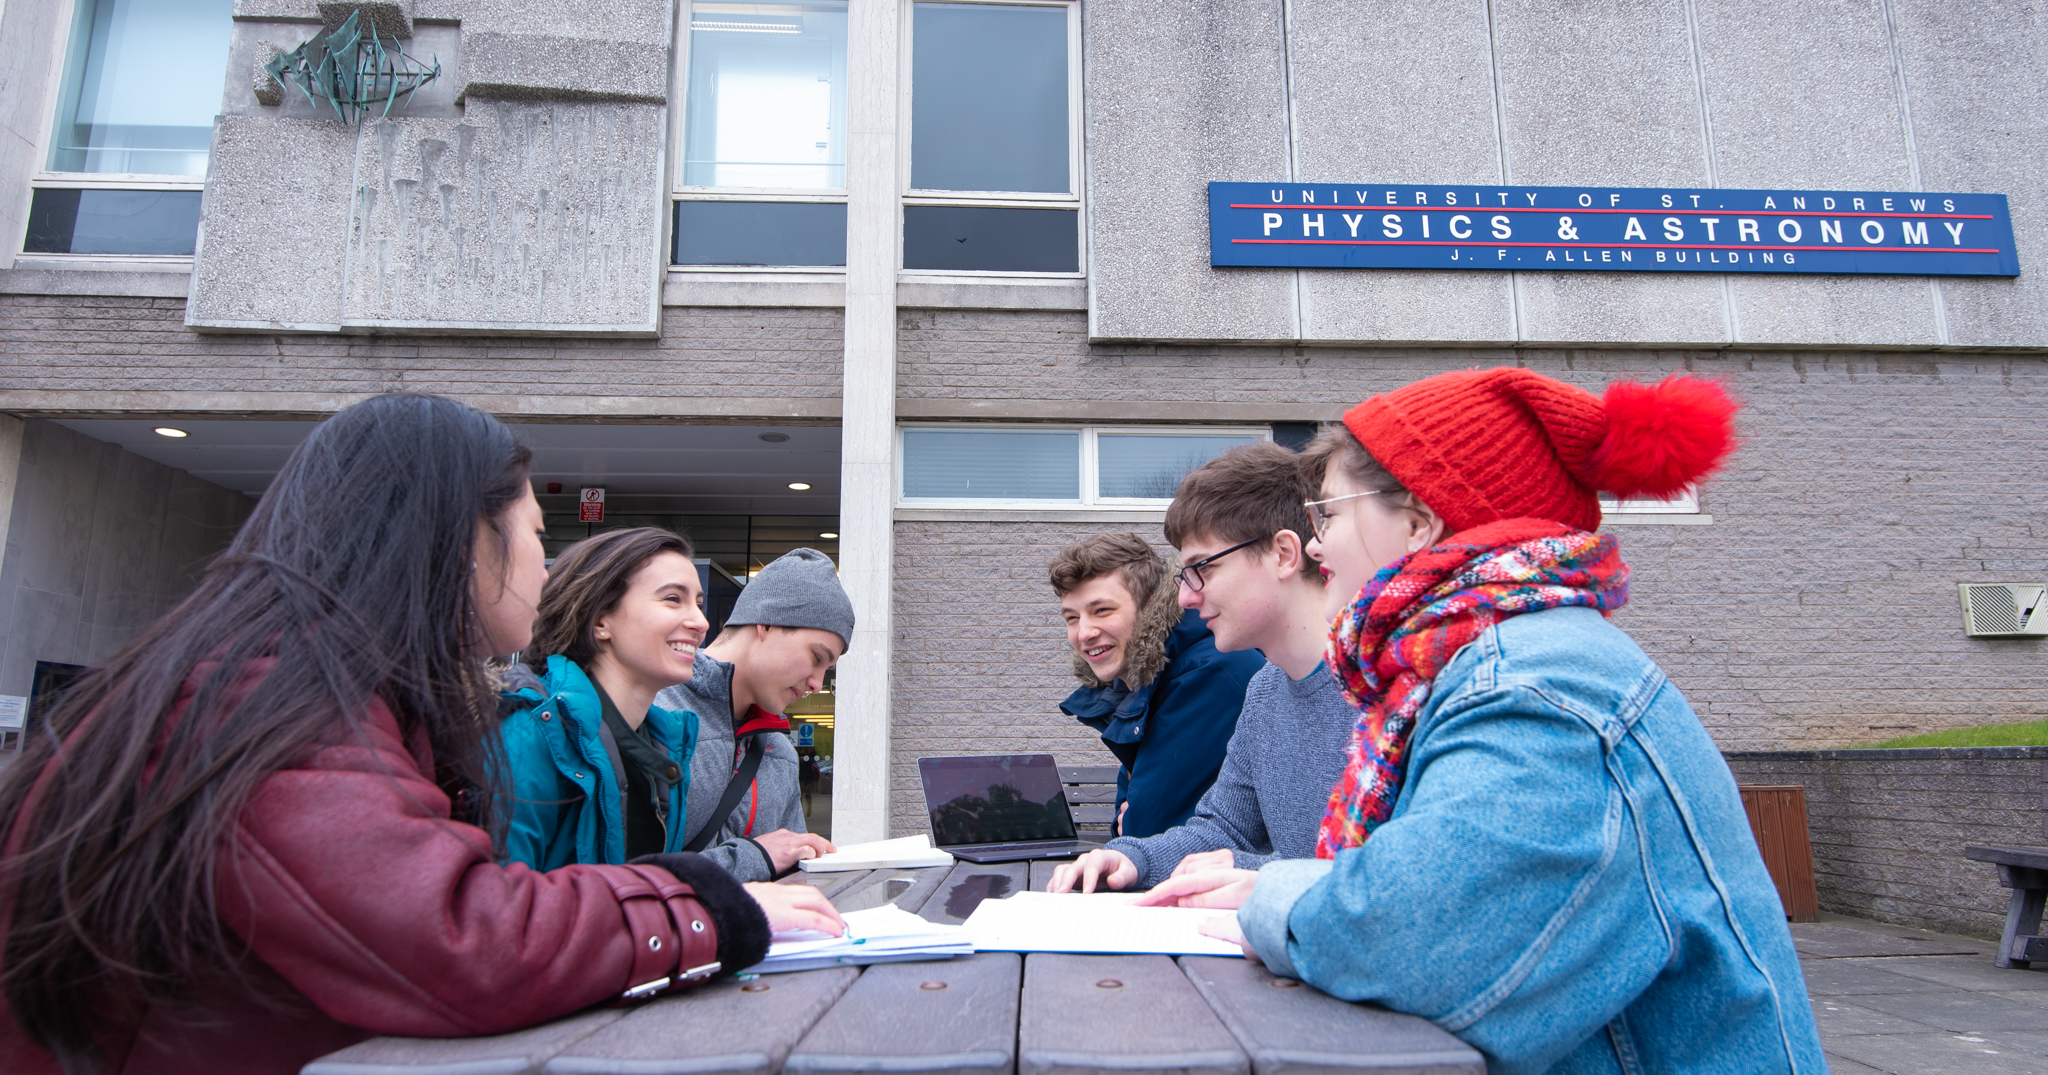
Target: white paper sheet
1103, 922
904, 852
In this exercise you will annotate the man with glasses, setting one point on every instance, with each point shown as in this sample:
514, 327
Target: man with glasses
1152, 682
1242, 526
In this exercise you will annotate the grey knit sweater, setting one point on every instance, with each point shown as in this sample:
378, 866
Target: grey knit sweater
1268, 801
709, 695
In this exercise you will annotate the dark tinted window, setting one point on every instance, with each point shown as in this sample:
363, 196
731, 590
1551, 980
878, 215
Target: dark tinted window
991, 239
113, 222
760, 233
988, 98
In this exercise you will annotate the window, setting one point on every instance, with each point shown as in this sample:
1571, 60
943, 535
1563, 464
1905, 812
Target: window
141, 84
994, 176
1025, 467
763, 175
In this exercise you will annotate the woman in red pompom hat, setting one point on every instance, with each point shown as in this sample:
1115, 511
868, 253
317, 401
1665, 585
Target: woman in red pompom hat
1534, 843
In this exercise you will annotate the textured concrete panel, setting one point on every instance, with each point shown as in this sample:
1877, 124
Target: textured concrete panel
644, 22
1397, 93
1605, 96
1804, 97
30, 51
1181, 93
1977, 80
534, 67
521, 217
272, 230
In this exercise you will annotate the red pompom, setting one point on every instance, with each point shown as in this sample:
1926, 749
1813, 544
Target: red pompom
1662, 437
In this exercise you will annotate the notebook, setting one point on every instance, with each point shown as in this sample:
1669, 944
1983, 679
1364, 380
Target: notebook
1000, 808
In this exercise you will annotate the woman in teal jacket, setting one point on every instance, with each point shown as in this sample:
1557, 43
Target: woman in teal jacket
1535, 843
598, 772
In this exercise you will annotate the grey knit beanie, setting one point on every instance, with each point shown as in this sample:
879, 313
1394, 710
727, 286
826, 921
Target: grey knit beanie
799, 590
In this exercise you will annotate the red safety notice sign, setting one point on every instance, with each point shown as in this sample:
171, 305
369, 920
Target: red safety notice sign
590, 506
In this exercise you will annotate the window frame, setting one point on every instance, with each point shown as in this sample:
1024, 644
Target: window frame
1089, 460
43, 178
678, 191
1074, 198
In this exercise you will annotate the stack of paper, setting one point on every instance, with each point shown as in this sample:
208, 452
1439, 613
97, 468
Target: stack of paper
903, 853
886, 934
1097, 922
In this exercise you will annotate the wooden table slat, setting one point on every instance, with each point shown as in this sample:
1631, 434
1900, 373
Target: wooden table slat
1073, 1021
725, 1028
893, 1020
908, 889
500, 1054
962, 890
831, 884
1289, 1028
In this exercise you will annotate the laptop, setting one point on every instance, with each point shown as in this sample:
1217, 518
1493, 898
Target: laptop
1000, 808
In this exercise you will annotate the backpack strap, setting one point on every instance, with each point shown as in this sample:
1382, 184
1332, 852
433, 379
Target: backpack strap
758, 721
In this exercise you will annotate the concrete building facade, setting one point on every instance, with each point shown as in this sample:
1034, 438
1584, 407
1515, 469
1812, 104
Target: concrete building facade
911, 221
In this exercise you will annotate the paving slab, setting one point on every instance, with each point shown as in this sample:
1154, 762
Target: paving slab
1838, 1018
1851, 977
1842, 1065
1935, 1054
1839, 940
1960, 1012
1977, 974
2025, 996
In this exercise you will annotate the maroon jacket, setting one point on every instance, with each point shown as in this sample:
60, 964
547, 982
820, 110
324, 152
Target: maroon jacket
368, 911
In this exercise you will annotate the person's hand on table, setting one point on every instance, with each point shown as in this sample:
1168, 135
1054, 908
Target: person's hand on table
794, 907
1222, 889
1204, 861
786, 848
1113, 868
1224, 927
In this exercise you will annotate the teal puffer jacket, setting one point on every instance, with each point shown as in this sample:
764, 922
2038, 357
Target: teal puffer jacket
560, 764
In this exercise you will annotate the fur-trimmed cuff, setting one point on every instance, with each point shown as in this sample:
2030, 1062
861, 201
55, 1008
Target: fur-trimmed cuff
743, 933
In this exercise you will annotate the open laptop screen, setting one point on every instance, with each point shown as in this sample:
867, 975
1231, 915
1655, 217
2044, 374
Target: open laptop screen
1001, 798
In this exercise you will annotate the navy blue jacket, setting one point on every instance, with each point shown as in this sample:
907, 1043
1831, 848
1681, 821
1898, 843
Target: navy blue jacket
1171, 733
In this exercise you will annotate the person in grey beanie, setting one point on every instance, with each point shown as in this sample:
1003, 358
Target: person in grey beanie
790, 625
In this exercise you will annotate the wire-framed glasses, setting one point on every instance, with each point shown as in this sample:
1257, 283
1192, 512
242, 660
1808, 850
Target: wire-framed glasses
1190, 576
1320, 515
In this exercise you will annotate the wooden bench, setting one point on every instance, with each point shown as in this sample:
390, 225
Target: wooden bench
2025, 871
1091, 793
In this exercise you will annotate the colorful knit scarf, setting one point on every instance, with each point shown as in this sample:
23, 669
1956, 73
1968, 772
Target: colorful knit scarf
1414, 616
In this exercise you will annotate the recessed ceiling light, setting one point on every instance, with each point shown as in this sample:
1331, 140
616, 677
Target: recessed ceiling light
775, 438
829, 535
801, 487
167, 431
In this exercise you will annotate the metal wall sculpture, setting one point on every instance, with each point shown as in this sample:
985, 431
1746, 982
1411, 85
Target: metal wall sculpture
353, 70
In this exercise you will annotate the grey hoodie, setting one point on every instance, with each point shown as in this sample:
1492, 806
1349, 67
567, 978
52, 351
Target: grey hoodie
709, 695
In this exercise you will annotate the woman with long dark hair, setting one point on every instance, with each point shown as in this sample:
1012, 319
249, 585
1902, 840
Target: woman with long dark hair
600, 773
263, 830
1534, 842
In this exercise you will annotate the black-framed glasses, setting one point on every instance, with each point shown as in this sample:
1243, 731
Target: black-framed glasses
1190, 576
1319, 514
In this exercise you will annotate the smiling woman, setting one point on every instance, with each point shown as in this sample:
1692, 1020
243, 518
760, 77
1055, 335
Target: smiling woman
600, 773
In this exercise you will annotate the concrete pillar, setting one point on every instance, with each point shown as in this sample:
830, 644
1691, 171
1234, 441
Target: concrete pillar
867, 464
10, 470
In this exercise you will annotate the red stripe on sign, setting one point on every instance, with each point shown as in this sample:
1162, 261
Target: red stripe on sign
1637, 212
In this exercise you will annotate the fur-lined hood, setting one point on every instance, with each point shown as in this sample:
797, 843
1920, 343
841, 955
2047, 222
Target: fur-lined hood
1147, 655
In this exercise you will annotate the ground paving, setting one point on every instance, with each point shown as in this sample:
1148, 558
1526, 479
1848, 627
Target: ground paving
1909, 1002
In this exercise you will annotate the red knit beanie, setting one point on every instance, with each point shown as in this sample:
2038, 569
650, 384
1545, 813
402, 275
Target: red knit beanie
1484, 445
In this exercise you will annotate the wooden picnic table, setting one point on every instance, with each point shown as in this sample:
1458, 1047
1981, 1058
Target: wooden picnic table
991, 1013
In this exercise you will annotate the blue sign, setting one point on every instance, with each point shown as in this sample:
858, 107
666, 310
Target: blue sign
1609, 229
806, 735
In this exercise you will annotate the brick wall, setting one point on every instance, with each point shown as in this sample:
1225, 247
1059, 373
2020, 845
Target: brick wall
85, 343
1889, 827
1820, 607
982, 659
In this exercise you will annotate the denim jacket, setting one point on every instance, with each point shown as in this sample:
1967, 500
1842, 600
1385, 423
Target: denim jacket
1567, 882
566, 777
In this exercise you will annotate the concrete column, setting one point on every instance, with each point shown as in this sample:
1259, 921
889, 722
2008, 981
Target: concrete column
11, 429
867, 464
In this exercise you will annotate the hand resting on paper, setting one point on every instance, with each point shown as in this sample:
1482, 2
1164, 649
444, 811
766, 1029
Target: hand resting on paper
796, 907
1204, 861
1113, 868
1222, 889
1224, 927
786, 849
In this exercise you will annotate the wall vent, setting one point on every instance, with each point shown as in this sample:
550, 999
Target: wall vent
2004, 609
